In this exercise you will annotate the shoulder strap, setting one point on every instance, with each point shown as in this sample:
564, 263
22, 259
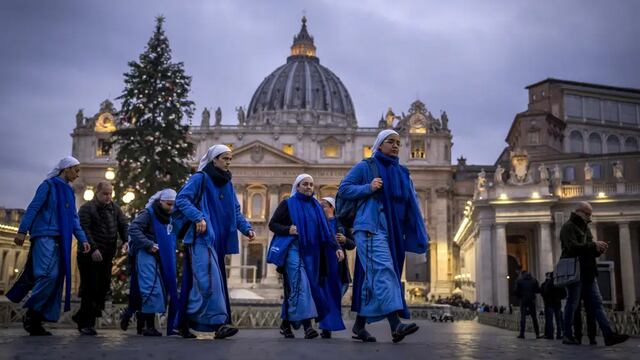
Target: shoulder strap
373, 167
200, 193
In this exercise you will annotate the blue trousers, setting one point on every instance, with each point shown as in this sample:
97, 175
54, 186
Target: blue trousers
590, 293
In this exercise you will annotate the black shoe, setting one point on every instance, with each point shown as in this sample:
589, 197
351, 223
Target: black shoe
186, 334
404, 330
570, 341
139, 323
520, 336
286, 331
88, 331
549, 337
310, 333
593, 342
125, 319
225, 331
39, 331
325, 334
615, 339
151, 332
363, 335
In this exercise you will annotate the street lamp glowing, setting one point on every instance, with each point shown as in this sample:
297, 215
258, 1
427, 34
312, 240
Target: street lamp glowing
535, 195
110, 174
601, 194
503, 196
88, 194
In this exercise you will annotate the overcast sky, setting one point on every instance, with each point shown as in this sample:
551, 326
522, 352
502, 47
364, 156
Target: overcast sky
470, 58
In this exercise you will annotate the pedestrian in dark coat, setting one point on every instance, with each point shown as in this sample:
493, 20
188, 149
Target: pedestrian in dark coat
526, 289
552, 297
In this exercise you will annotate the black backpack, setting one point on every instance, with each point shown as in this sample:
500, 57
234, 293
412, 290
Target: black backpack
346, 209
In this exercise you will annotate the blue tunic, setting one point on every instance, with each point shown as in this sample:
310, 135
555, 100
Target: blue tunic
51, 219
204, 297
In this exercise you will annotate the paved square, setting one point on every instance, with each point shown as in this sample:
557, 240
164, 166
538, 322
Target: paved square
460, 340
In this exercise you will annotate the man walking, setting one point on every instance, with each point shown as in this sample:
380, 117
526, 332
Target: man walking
102, 220
552, 297
577, 242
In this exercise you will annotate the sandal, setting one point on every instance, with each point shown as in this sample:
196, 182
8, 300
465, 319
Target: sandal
310, 333
404, 330
287, 332
363, 335
225, 331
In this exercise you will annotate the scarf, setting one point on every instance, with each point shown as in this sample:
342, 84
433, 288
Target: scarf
218, 176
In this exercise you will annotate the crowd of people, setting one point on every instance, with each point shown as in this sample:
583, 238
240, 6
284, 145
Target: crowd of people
375, 212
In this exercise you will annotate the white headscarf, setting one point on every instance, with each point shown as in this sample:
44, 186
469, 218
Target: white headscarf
299, 179
165, 194
211, 154
330, 200
381, 137
65, 162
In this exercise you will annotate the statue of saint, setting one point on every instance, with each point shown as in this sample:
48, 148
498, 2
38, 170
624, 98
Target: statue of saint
445, 120
79, 118
497, 176
241, 116
588, 172
218, 116
205, 118
382, 124
617, 171
557, 175
481, 182
544, 173
390, 117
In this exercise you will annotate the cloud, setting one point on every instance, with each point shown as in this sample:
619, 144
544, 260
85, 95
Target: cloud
470, 58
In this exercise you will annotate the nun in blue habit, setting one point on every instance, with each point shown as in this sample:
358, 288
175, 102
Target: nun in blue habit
209, 202
312, 288
152, 252
388, 223
51, 220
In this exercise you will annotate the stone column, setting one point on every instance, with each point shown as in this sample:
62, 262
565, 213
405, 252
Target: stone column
545, 250
484, 275
274, 199
626, 266
440, 282
501, 267
235, 276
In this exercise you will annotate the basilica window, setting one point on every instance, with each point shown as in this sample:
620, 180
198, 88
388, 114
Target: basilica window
610, 111
103, 148
288, 149
613, 144
631, 144
595, 144
597, 171
592, 108
628, 114
331, 149
569, 173
575, 142
257, 203
366, 152
573, 106
417, 149
534, 137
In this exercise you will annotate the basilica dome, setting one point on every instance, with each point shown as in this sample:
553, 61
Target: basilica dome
301, 91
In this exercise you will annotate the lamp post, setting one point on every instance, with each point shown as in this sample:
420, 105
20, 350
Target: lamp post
88, 193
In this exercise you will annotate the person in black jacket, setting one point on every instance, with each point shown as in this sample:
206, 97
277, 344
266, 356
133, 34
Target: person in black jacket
577, 242
346, 242
103, 221
552, 297
526, 289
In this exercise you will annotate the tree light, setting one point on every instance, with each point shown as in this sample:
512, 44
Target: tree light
128, 197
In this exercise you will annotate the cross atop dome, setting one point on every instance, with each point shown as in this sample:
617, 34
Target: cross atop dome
303, 42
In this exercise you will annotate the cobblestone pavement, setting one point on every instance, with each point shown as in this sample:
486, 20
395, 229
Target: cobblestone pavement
460, 340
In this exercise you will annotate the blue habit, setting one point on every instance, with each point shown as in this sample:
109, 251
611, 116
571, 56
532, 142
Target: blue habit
204, 297
49, 263
312, 276
380, 256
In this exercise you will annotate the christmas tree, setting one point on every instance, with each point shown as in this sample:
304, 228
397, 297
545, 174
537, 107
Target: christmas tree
151, 141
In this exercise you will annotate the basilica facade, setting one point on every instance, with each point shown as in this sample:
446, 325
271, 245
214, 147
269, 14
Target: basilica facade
301, 119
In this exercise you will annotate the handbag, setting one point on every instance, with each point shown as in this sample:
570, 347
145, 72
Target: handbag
567, 272
277, 254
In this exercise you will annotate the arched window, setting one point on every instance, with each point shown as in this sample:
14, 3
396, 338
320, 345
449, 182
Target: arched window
631, 144
595, 144
576, 142
613, 144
